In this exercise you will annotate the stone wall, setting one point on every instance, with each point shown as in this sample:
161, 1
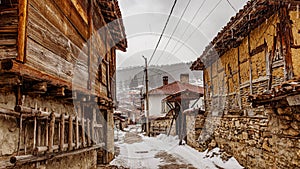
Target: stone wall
190, 130
271, 140
163, 125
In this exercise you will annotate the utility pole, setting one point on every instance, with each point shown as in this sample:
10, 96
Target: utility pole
147, 98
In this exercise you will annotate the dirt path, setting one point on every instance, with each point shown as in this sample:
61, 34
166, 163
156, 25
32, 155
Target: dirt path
131, 138
171, 162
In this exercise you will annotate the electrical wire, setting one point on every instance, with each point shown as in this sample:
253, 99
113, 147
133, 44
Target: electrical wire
163, 31
188, 26
231, 27
206, 17
231, 6
186, 7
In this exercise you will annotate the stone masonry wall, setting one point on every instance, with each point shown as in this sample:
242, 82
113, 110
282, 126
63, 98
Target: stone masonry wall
271, 140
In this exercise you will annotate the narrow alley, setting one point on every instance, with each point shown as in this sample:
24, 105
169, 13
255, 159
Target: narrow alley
136, 151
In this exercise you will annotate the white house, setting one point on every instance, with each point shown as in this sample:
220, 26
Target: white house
157, 108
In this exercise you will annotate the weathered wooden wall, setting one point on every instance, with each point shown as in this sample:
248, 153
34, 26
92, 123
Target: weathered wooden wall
72, 44
8, 29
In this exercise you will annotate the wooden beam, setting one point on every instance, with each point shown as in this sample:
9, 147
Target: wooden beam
58, 92
51, 132
239, 79
70, 135
62, 133
46, 132
20, 132
28, 71
88, 132
34, 132
6, 64
250, 65
93, 126
77, 132
83, 127
20, 160
22, 29
90, 43
38, 88
39, 133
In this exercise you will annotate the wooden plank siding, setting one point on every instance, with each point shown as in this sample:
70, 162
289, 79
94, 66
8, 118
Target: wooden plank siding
71, 40
65, 39
8, 29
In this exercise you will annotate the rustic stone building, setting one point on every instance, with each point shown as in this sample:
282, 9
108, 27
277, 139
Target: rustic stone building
57, 84
251, 73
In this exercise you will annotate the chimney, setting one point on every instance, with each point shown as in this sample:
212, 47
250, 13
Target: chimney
184, 78
165, 80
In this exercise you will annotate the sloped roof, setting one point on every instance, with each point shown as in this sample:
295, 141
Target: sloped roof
183, 95
176, 87
254, 13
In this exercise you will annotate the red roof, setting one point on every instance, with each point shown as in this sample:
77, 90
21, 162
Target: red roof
176, 87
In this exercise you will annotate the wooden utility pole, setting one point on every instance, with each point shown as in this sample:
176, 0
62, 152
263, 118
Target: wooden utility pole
147, 98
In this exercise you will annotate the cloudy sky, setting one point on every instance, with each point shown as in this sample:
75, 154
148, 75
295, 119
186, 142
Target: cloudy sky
144, 21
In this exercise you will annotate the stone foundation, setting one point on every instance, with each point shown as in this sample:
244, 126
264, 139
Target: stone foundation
268, 140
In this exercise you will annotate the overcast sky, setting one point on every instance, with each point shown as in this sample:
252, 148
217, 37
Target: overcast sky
144, 21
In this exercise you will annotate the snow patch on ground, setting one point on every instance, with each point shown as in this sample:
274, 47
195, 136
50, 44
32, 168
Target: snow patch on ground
142, 154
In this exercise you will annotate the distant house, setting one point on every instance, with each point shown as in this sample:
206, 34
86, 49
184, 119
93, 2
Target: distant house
168, 101
156, 96
252, 85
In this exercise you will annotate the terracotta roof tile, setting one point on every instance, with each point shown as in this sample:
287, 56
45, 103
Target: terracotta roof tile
176, 87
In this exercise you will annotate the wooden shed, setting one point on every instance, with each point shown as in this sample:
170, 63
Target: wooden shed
57, 79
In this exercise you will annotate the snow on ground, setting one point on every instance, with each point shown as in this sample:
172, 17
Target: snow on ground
163, 151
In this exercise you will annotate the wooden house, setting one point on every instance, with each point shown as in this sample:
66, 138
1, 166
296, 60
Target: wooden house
251, 76
57, 81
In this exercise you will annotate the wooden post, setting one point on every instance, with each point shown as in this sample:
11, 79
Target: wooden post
90, 43
77, 132
250, 65
93, 126
34, 132
70, 136
51, 132
46, 132
239, 78
89, 132
83, 128
39, 133
22, 29
20, 132
62, 132
25, 137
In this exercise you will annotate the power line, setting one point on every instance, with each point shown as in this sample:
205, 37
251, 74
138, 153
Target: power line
188, 26
231, 27
211, 11
175, 29
172, 9
231, 5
